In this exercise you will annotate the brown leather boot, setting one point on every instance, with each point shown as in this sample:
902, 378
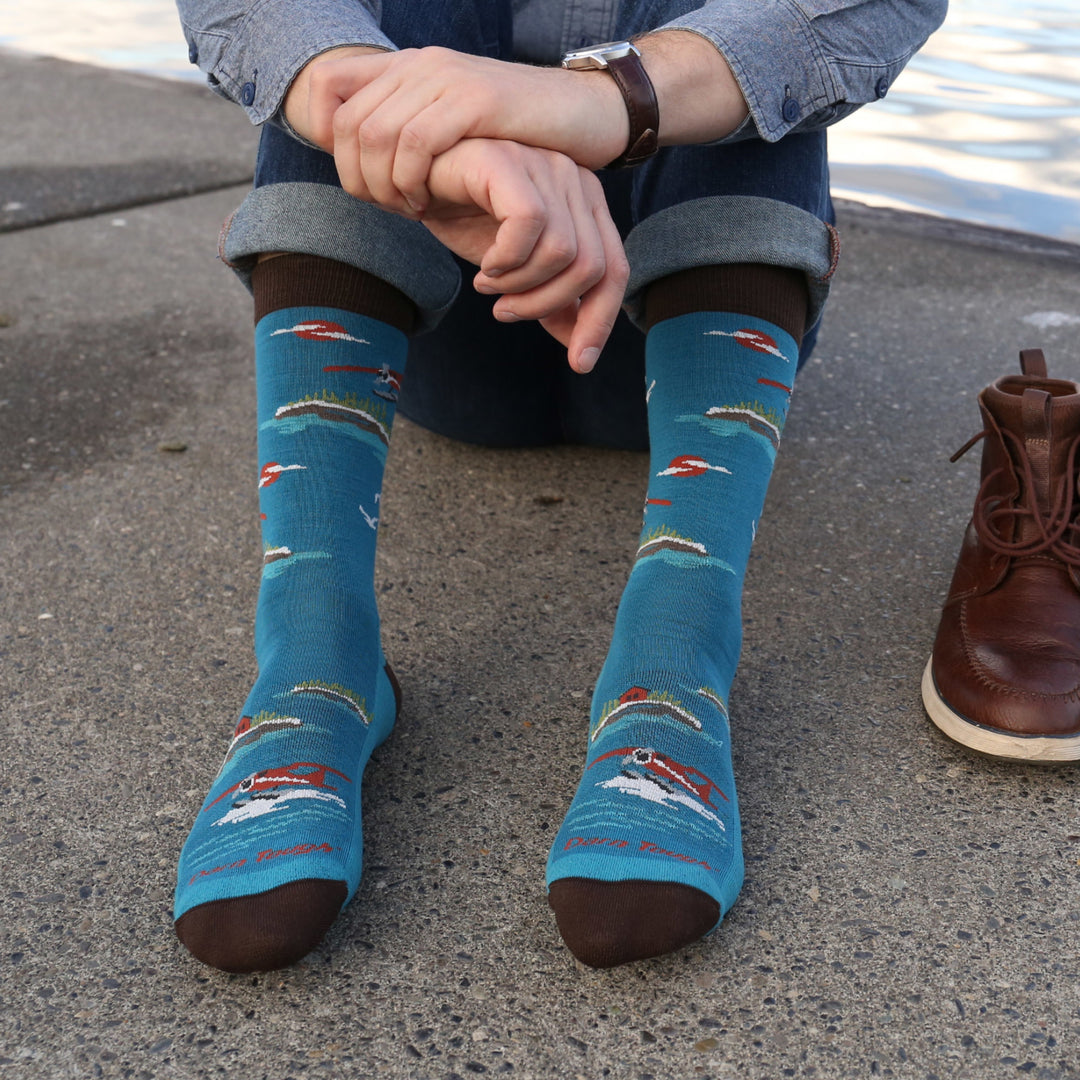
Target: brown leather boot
1004, 676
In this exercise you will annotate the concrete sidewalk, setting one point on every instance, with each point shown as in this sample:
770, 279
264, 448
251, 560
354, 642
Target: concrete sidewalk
910, 910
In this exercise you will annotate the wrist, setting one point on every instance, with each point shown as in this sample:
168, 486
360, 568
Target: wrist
622, 61
608, 126
700, 98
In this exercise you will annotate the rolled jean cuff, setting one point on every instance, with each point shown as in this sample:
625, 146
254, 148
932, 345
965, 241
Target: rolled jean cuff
724, 229
318, 219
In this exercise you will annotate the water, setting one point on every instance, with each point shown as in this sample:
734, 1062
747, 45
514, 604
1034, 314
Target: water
983, 126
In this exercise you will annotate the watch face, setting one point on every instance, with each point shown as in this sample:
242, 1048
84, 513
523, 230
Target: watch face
597, 56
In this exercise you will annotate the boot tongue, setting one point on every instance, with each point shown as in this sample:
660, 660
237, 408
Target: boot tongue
1043, 420
1037, 416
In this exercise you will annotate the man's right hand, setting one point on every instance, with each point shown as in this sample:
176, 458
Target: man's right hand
538, 226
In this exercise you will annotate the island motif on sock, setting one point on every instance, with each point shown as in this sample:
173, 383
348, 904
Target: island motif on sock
638, 701
338, 694
252, 728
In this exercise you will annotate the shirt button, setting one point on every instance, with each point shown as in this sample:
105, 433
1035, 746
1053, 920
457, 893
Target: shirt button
247, 93
790, 110
193, 53
881, 88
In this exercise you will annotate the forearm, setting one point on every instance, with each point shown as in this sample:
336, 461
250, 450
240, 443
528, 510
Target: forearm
699, 98
802, 66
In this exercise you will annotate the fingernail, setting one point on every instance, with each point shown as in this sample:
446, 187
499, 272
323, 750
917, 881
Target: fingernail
507, 316
416, 207
494, 273
587, 360
487, 290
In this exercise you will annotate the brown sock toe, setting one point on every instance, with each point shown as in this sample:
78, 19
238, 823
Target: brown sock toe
606, 923
262, 932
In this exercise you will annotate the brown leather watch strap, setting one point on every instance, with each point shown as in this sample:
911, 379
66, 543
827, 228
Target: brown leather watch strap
641, 105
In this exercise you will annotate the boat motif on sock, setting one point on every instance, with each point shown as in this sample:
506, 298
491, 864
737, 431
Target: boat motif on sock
337, 693
364, 413
759, 418
271, 472
252, 728
271, 790
638, 700
651, 502
387, 383
691, 465
320, 330
660, 779
754, 340
776, 385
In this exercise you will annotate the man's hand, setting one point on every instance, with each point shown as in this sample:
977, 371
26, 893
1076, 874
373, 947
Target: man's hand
307, 115
386, 116
538, 226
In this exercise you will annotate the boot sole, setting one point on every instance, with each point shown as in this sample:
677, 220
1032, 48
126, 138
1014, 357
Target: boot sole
992, 741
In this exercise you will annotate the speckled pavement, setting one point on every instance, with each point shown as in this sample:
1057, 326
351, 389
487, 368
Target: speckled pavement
910, 910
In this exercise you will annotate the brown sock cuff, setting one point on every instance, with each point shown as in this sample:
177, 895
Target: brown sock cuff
776, 294
286, 281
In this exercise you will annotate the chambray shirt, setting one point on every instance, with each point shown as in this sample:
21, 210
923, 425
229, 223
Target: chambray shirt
801, 64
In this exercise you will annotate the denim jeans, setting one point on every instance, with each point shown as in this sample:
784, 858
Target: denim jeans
484, 382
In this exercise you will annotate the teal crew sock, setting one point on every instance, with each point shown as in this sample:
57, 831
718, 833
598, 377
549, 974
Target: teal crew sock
649, 856
276, 850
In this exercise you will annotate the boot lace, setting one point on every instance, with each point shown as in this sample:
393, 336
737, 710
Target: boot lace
1056, 531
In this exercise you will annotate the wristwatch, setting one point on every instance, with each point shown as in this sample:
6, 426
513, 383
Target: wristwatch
623, 60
